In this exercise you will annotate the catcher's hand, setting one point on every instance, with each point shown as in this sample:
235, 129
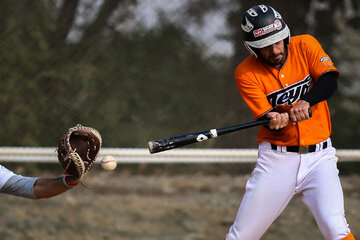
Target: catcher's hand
77, 150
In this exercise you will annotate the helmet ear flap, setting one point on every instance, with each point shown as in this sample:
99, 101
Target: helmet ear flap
251, 50
287, 40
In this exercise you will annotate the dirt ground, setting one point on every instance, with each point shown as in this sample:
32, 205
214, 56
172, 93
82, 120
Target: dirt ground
135, 202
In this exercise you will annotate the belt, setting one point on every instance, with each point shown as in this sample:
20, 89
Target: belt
301, 149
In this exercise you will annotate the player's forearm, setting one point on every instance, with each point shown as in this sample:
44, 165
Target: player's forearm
325, 86
50, 187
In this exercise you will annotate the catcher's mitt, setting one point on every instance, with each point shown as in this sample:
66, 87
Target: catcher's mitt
77, 150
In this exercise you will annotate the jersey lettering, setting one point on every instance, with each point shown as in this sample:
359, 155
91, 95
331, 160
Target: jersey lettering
290, 94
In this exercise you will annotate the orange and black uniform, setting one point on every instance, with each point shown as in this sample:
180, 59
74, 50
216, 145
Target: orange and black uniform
265, 89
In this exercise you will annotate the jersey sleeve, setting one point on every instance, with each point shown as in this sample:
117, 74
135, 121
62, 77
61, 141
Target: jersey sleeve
253, 95
20, 186
5, 174
319, 62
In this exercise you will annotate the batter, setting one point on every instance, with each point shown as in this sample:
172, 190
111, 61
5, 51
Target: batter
281, 80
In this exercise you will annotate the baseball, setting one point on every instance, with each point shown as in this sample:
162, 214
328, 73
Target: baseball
108, 163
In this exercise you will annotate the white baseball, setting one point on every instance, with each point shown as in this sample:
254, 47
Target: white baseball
108, 163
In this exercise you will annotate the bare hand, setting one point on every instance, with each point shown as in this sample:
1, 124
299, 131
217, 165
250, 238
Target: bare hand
278, 120
300, 111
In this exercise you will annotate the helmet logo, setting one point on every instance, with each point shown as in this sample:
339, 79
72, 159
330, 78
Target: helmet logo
248, 27
268, 29
277, 15
263, 8
252, 12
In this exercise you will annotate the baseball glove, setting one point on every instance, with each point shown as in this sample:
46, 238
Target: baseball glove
77, 150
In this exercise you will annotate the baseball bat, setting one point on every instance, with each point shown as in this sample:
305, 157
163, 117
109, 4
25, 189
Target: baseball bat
164, 144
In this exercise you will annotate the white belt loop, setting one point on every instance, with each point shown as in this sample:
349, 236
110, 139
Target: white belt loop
320, 146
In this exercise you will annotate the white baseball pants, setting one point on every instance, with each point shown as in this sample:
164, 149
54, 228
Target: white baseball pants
277, 177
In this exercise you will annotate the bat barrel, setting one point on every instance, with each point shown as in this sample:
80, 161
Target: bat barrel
151, 146
178, 141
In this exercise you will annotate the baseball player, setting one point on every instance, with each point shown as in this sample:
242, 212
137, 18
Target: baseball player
281, 80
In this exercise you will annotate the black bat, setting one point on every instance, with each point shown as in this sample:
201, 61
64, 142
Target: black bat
186, 139
164, 144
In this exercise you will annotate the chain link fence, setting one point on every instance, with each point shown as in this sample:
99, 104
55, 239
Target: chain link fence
142, 70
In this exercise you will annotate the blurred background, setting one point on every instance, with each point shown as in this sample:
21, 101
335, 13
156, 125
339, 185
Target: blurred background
139, 70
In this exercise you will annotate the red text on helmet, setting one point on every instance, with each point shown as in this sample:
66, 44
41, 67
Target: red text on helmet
267, 29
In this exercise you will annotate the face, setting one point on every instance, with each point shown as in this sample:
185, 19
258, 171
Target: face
274, 55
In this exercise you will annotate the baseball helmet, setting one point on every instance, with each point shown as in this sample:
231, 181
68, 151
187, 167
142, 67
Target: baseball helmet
263, 26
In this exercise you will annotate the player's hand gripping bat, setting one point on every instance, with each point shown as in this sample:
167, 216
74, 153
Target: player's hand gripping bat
164, 144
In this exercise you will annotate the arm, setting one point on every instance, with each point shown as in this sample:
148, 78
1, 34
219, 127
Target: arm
322, 90
325, 86
36, 188
77, 151
50, 187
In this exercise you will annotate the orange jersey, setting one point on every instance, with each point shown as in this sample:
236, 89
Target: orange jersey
265, 88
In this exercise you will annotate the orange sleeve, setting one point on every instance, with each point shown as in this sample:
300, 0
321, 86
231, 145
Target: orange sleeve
253, 95
319, 62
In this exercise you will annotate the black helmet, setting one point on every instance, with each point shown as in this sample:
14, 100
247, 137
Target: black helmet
263, 26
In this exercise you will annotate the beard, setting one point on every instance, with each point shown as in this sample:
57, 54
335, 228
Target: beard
275, 60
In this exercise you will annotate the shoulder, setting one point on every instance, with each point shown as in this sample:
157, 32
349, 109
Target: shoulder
303, 40
250, 72
247, 66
